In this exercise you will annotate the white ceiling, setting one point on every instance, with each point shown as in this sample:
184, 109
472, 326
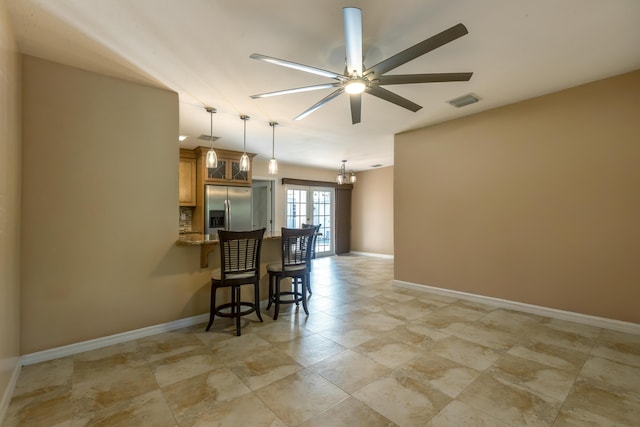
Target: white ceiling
517, 49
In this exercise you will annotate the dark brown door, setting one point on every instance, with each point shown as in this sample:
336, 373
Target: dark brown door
343, 221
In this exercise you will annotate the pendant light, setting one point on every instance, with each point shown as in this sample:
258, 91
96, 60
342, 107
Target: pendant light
342, 177
273, 163
211, 159
245, 164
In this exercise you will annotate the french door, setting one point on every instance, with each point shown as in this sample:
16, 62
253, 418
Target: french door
312, 205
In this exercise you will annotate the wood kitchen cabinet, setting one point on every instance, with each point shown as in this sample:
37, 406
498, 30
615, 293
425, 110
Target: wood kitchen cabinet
228, 169
187, 178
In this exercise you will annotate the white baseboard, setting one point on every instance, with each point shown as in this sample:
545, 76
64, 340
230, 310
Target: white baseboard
8, 392
372, 254
67, 350
601, 322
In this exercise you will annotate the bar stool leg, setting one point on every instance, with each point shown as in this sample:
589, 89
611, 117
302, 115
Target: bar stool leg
256, 299
235, 307
304, 295
271, 278
212, 310
277, 299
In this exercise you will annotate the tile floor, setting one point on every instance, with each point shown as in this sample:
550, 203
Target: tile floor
368, 354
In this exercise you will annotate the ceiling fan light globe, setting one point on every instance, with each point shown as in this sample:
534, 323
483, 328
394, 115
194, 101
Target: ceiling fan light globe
355, 87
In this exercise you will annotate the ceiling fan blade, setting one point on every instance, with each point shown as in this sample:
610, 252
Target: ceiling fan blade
319, 104
417, 50
355, 100
296, 66
353, 39
403, 79
393, 98
296, 90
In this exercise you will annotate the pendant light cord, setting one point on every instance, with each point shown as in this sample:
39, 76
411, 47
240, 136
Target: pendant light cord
245, 135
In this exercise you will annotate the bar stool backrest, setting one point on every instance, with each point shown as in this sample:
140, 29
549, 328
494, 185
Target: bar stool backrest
316, 228
240, 252
297, 248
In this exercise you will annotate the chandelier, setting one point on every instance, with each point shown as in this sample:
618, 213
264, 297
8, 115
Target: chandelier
343, 177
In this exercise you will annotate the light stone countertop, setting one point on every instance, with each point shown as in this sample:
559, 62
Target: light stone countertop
198, 239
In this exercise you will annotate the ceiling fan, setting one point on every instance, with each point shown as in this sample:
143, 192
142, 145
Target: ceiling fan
357, 79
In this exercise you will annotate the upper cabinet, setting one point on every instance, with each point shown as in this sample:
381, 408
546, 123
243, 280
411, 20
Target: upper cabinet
187, 178
228, 169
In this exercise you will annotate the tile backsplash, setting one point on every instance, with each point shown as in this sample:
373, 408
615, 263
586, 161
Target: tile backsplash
185, 216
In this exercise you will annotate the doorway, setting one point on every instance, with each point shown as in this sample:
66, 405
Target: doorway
262, 205
312, 205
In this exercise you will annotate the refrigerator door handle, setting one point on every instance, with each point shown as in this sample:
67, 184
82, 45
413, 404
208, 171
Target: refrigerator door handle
227, 215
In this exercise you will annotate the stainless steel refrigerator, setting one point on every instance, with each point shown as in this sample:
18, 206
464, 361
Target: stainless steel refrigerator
227, 208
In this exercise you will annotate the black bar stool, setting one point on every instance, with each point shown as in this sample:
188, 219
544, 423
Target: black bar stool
239, 265
297, 246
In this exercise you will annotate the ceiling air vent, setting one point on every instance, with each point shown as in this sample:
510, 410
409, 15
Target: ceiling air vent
208, 137
463, 100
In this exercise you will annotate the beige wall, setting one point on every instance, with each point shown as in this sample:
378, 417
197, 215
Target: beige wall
100, 182
372, 212
537, 202
9, 206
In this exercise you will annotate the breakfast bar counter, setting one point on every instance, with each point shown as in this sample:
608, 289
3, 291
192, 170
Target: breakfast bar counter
208, 242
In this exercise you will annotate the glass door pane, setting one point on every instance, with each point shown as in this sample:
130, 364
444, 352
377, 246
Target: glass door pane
312, 205
296, 207
323, 214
